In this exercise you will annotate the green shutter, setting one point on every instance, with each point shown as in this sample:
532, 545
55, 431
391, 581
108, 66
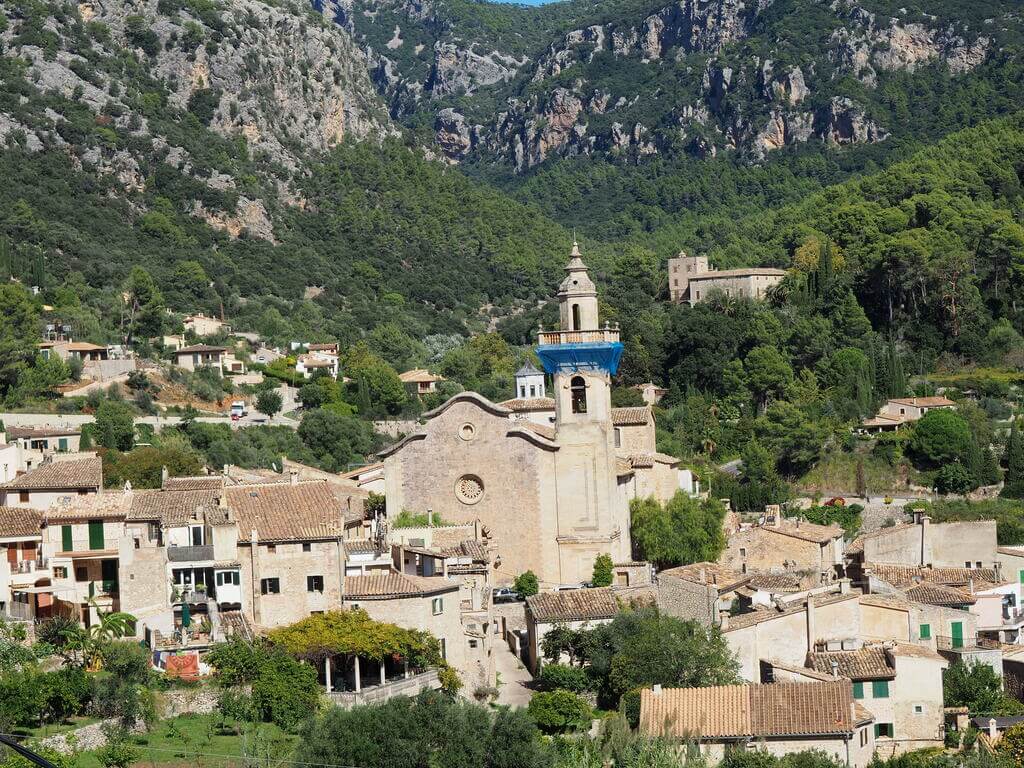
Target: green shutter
957, 630
95, 534
858, 690
62, 445
878, 730
67, 541
1020, 575
880, 689
926, 631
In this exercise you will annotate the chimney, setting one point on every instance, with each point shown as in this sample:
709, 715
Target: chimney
844, 586
226, 470
164, 474
835, 669
702, 576
430, 517
810, 621
723, 620
222, 502
993, 732
293, 476
657, 692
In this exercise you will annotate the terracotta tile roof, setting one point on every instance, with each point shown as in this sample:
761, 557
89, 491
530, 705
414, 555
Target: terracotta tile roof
360, 546
540, 429
83, 346
199, 348
197, 483
707, 573
417, 375
383, 585
775, 582
111, 505
938, 594
520, 404
881, 420
58, 475
750, 711
801, 529
648, 460
19, 433
924, 402
445, 536
171, 508
801, 671
906, 575
1017, 551
887, 601
291, 511
631, 416
19, 523
857, 545
468, 548
868, 663
573, 605
917, 651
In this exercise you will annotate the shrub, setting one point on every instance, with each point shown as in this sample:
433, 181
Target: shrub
526, 584
954, 478
562, 676
559, 711
602, 576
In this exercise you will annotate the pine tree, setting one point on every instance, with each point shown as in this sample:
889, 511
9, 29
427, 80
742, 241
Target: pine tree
1014, 486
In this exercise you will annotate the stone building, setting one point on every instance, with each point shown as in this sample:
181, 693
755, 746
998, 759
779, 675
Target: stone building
967, 544
552, 496
781, 544
571, 609
900, 684
691, 279
699, 591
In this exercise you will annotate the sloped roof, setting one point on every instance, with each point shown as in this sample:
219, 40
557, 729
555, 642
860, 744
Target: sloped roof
291, 511
19, 433
58, 475
417, 375
544, 431
383, 585
775, 582
573, 605
938, 594
867, 663
648, 460
801, 529
744, 620
525, 404
708, 573
468, 548
631, 416
111, 505
199, 348
194, 483
528, 369
905, 575
18, 523
924, 402
170, 507
741, 272
751, 711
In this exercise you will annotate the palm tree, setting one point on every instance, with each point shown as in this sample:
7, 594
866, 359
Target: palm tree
112, 625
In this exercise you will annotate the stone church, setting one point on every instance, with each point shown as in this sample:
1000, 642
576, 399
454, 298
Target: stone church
550, 478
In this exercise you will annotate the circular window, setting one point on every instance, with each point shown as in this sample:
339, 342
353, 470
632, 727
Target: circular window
467, 431
469, 489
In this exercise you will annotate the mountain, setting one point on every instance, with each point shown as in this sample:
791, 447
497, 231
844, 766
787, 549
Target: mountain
631, 80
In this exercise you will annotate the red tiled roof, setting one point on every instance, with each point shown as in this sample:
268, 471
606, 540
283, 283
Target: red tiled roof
868, 663
199, 348
383, 585
937, 594
19, 523
58, 475
291, 511
905, 575
707, 573
18, 433
520, 404
196, 483
170, 508
924, 402
631, 416
573, 605
751, 711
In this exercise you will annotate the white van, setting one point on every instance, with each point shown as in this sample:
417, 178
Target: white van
239, 409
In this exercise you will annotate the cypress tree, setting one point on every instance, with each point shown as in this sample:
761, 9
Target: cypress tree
1014, 487
897, 373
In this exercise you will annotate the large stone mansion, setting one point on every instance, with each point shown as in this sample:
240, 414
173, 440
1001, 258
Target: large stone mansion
692, 279
552, 491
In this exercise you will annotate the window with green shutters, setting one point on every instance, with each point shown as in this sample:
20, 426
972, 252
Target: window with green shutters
95, 534
880, 689
926, 631
67, 541
858, 690
62, 445
883, 729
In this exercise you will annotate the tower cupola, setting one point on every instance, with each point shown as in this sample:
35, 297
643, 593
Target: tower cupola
577, 295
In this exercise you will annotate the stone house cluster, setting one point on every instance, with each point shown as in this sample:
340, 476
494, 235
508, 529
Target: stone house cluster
692, 280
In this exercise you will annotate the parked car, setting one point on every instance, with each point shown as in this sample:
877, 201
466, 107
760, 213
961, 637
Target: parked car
506, 595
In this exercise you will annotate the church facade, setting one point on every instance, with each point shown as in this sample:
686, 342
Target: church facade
553, 496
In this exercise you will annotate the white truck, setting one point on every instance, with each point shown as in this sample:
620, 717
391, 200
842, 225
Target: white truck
239, 409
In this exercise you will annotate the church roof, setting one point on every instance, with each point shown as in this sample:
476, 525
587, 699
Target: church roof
577, 282
631, 416
520, 404
529, 369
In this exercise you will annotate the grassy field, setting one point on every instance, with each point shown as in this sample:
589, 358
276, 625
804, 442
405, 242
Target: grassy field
202, 740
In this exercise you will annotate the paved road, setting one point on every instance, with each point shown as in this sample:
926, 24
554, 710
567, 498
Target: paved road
515, 677
158, 422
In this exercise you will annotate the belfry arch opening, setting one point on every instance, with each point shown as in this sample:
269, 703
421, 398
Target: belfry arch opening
576, 317
578, 391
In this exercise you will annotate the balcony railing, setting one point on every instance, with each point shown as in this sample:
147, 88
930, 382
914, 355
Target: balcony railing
945, 643
30, 566
609, 335
190, 554
377, 694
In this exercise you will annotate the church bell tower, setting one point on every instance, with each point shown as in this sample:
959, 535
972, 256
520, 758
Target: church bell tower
581, 358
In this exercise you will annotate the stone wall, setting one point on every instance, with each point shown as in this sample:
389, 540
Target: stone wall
290, 565
762, 549
687, 600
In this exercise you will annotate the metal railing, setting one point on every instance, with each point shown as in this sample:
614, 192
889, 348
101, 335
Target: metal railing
30, 566
946, 643
578, 337
409, 686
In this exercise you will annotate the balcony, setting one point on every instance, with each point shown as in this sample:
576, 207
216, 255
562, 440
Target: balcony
29, 571
378, 694
194, 554
965, 644
599, 336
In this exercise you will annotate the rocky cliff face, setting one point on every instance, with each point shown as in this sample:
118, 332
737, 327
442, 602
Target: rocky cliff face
277, 78
697, 76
